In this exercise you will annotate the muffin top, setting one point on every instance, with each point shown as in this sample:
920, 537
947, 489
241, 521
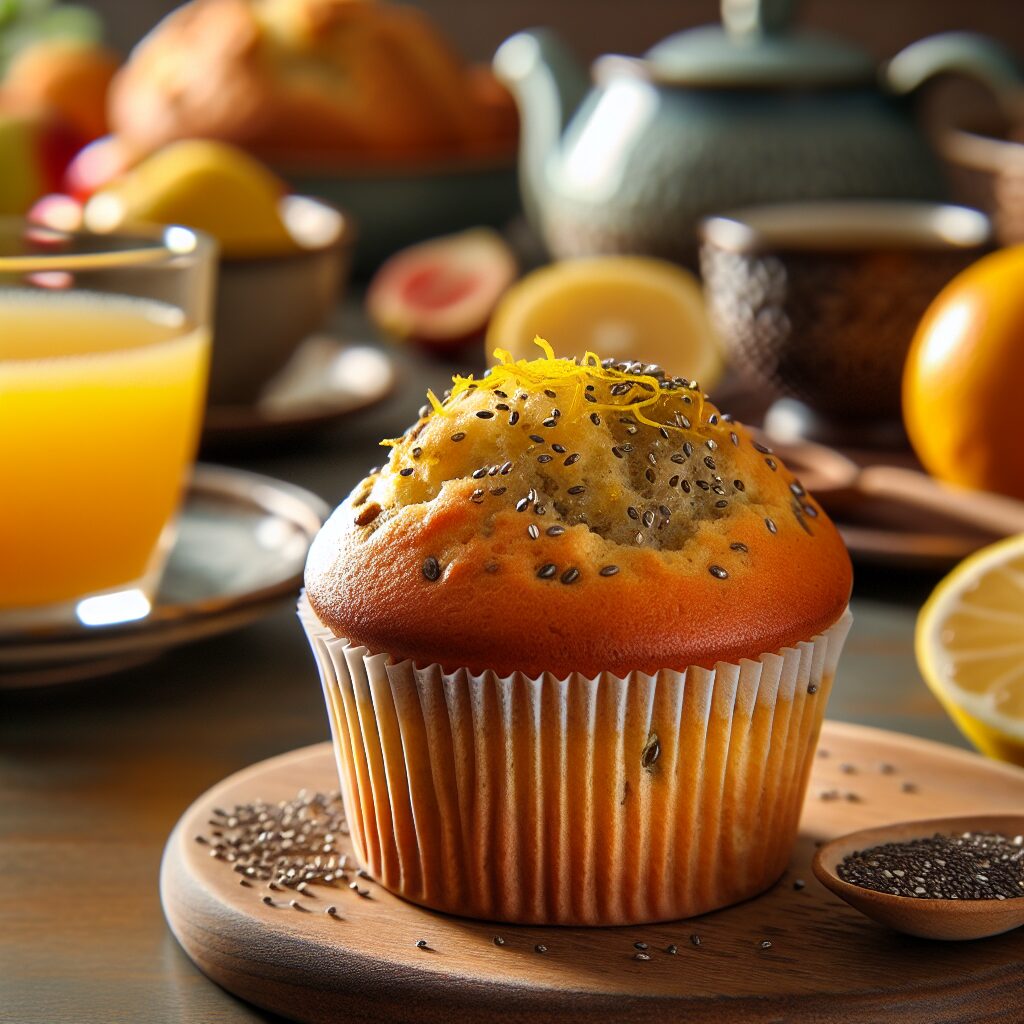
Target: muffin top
577, 516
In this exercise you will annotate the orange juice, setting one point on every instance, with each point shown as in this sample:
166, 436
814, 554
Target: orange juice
101, 399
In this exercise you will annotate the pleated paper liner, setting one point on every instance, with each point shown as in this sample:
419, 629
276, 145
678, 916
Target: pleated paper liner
595, 801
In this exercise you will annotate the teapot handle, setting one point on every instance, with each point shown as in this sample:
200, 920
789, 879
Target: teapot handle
964, 53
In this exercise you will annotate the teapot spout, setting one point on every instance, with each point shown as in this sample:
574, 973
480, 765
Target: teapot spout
548, 84
961, 53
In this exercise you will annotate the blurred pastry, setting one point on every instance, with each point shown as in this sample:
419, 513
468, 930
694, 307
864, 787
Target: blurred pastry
328, 82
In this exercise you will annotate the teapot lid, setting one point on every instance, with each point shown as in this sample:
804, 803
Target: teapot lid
755, 47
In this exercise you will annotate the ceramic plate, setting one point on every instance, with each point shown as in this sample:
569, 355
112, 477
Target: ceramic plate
240, 549
323, 382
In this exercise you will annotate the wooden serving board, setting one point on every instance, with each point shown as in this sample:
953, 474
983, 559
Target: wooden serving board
826, 962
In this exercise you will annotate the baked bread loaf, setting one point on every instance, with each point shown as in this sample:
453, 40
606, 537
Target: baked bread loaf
578, 518
309, 81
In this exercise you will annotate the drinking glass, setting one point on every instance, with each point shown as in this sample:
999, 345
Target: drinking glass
104, 352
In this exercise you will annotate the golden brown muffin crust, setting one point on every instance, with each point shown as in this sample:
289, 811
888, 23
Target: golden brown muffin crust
555, 517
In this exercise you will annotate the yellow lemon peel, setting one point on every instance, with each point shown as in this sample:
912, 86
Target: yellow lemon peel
551, 372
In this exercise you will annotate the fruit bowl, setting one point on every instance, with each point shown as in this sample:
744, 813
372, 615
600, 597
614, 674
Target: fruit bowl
397, 205
268, 305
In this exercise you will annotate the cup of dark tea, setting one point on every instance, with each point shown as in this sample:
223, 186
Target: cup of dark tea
820, 300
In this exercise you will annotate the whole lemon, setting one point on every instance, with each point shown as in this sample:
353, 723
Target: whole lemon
962, 401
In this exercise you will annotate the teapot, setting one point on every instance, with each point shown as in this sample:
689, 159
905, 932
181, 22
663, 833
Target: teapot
718, 117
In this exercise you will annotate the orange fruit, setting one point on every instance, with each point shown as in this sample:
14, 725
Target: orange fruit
962, 401
68, 76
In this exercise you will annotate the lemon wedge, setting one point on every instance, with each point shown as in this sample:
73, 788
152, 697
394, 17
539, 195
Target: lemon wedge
970, 648
623, 307
211, 186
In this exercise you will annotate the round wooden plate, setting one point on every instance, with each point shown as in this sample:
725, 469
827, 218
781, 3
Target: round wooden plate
825, 962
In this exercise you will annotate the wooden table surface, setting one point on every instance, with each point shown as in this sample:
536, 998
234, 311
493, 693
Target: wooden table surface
94, 776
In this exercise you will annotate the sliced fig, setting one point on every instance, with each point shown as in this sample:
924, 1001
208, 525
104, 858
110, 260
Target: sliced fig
440, 294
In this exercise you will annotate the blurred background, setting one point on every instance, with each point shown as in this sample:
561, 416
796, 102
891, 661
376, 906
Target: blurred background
601, 26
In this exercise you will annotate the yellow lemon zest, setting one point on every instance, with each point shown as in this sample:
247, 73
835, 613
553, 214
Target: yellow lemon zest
549, 373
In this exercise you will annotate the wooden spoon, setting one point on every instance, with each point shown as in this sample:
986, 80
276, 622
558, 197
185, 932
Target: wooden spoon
839, 483
929, 919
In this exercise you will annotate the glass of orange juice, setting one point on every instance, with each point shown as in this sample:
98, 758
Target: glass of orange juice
104, 348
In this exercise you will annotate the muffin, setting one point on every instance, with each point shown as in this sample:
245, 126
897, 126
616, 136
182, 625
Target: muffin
344, 82
576, 640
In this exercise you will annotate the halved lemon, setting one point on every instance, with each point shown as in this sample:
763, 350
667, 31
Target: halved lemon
970, 648
622, 307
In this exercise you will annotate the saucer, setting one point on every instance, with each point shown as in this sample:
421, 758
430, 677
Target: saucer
240, 549
324, 381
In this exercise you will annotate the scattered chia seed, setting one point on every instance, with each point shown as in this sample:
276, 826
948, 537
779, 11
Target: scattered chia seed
718, 572
288, 845
799, 884
641, 956
812, 688
540, 948
969, 866
609, 570
766, 943
672, 949
695, 939
640, 945
498, 940
431, 569
422, 944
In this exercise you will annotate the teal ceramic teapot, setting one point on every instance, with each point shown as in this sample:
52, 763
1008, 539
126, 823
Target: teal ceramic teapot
719, 117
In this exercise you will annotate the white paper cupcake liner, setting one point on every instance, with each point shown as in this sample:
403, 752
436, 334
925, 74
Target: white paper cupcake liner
597, 801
